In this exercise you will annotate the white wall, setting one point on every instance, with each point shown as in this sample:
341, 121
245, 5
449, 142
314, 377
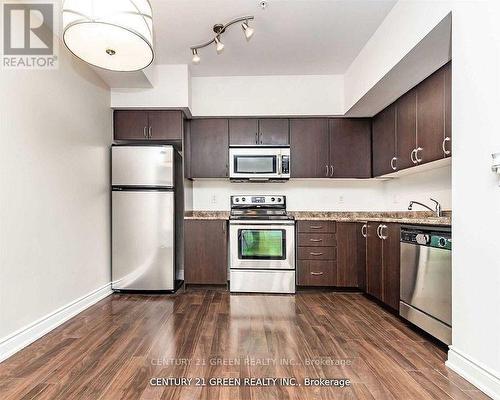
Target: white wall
421, 186
334, 195
171, 89
268, 95
475, 352
55, 132
402, 29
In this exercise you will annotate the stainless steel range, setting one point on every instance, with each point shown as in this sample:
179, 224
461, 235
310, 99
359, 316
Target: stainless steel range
261, 245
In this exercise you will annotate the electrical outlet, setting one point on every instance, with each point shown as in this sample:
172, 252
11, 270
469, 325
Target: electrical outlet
341, 199
213, 199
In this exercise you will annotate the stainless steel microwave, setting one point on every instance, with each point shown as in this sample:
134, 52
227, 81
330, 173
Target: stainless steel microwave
259, 163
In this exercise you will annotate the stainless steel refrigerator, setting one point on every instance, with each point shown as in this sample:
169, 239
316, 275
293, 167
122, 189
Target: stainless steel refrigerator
143, 216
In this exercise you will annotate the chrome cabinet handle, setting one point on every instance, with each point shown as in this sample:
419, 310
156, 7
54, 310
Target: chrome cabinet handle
150, 132
316, 273
316, 227
326, 168
446, 139
363, 230
315, 240
315, 254
393, 159
331, 170
416, 154
382, 236
144, 132
379, 228
411, 156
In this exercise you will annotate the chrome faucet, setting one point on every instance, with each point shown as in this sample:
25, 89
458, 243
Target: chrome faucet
437, 209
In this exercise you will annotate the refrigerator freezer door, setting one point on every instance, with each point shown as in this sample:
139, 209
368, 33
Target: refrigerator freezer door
146, 166
143, 240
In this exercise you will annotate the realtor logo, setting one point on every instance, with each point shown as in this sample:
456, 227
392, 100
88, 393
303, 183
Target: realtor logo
28, 36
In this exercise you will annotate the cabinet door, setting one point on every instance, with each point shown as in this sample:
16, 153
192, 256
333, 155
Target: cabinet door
384, 141
274, 131
447, 111
347, 254
243, 131
350, 148
406, 128
391, 255
209, 148
430, 117
309, 148
130, 125
165, 125
361, 255
205, 263
373, 261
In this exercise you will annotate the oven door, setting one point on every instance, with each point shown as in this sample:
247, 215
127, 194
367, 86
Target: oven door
262, 245
257, 163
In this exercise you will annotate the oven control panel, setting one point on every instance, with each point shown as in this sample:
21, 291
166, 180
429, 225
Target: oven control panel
258, 201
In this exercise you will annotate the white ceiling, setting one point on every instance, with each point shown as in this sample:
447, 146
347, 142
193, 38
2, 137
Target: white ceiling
292, 37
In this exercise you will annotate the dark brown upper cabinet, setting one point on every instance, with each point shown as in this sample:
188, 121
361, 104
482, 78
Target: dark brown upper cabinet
447, 110
406, 125
130, 125
148, 125
384, 141
274, 131
422, 124
243, 131
253, 131
208, 147
350, 148
165, 125
309, 148
430, 118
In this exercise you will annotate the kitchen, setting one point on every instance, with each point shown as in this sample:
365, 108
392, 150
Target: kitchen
234, 212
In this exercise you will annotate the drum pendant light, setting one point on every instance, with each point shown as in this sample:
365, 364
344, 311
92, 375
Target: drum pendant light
116, 35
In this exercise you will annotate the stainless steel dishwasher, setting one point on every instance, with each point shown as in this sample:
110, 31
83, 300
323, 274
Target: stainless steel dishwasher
425, 291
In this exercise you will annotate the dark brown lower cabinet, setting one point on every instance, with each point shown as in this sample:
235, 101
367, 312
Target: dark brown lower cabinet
361, 254
205, 252
328, 254
382, 262
347, 260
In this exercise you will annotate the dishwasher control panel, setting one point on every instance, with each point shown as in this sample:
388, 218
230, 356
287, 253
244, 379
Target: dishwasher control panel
430, 237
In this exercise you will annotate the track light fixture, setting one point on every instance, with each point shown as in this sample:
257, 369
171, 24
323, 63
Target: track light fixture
219, 29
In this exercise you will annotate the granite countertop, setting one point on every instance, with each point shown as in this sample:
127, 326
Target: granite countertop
402, 217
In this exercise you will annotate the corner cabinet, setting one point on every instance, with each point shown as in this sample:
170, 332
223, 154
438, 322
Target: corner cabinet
204, 262
142, 125
207, 148
382, 262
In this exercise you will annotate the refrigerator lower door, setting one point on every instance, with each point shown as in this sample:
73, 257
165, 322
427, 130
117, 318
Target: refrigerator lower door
143, 256
144, 166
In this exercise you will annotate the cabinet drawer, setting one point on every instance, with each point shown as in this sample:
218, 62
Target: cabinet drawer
317, 239
316, 226
316, 273
317, 253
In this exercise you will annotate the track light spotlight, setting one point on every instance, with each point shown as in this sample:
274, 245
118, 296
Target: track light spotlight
247, 30
196, 57
220, 45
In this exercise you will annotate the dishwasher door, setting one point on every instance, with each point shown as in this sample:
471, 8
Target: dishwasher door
426, 280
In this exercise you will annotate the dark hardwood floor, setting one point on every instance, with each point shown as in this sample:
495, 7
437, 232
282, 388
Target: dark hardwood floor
113, 349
